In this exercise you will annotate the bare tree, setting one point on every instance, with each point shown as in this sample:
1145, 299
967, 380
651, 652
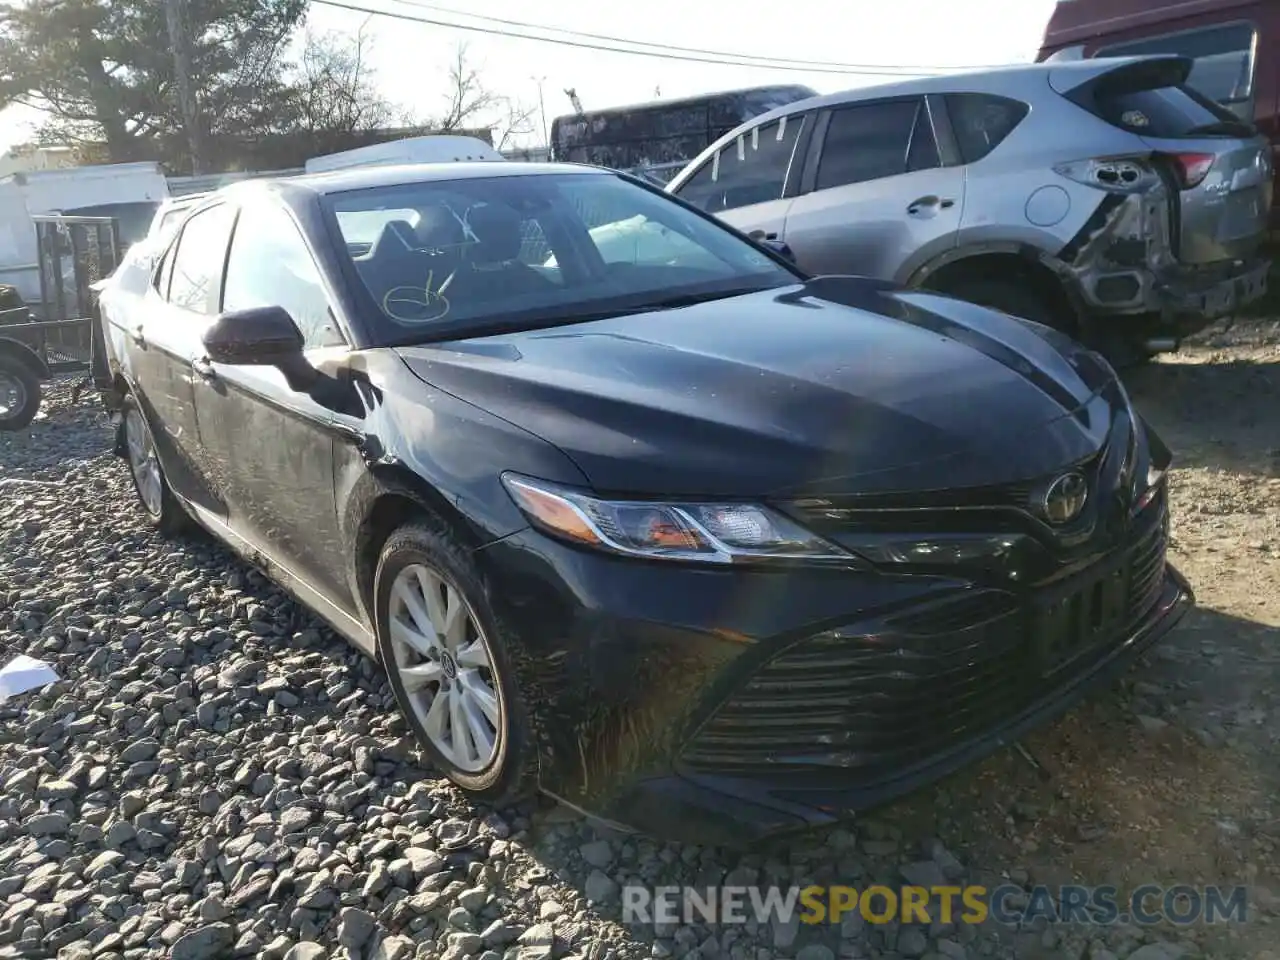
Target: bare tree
334, 86
471, 105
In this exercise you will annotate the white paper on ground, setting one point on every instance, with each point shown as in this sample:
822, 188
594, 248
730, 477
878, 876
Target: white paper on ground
24, 673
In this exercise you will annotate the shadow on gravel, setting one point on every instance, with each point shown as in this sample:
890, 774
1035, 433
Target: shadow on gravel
1216, 409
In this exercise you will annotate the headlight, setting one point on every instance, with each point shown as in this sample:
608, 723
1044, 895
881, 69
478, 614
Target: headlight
701, 532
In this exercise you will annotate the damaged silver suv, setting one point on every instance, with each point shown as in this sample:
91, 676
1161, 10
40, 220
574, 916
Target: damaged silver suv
1105, 198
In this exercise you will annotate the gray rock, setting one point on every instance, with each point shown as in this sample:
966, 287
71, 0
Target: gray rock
816, 951
598, 853
500, 933
143, 749
48, 825
1151, 724
205, 943
355, 927
1158, 951
785, 931
394, 948
600, 887
912, 942
306, 950
925, 873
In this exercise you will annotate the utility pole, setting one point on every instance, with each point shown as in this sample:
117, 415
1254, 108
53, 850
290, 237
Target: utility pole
542, 110
173, 10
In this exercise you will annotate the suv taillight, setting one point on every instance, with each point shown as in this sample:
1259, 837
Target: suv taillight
1191, 168
1113, 174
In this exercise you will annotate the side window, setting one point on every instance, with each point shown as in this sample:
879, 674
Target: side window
876, 140
198, 259
751, 169
981, 122
270, 266
1223, 55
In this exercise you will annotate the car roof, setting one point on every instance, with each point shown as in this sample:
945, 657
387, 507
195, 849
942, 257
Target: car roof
1012, 79
394, 175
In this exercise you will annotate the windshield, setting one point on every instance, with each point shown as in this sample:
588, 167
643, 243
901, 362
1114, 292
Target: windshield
445, 258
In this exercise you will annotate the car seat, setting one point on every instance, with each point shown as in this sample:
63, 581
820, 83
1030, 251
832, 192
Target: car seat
493, 268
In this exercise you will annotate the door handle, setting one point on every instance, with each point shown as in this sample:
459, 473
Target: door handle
930, 201
203, 366
136, 335
762, 235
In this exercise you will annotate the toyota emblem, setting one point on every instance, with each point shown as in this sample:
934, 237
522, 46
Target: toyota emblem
1065, 498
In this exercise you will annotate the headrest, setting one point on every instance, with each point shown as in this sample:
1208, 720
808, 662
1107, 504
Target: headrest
438, 228
396, 236
496, 228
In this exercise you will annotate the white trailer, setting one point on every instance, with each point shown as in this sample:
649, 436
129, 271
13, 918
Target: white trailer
431, 149
126, 192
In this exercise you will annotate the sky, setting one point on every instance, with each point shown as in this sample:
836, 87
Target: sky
411, 59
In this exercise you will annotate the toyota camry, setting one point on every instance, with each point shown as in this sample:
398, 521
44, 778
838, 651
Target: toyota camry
668, 530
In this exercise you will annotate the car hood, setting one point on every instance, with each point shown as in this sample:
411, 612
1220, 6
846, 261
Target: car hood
838, 385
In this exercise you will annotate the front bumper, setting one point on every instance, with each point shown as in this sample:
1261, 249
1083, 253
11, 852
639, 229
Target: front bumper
640, 677
730, 812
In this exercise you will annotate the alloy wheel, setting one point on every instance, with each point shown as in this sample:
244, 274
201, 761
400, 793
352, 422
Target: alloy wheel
143, 462
13, 394
445, 666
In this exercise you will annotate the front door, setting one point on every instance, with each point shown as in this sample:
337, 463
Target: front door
162, 339
272, 446
880, 198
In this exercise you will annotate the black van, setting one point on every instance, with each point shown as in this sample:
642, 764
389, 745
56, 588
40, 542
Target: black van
658, 138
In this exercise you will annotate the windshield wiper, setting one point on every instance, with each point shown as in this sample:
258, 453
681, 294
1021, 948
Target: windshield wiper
690, 299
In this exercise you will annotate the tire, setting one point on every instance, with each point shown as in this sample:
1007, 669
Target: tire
20, 394
423, 555
1017, 299
159, 505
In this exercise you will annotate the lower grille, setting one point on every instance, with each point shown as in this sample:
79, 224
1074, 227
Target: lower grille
925, 681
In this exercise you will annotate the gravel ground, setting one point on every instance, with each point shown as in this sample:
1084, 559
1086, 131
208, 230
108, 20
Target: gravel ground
219, 776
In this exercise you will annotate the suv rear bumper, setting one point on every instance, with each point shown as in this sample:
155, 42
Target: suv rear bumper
1189, 294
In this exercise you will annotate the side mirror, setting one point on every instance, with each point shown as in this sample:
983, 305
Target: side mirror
260, 337
781, 249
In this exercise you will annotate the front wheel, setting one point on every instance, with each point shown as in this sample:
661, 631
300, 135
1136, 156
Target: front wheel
441, 644
160, 506
19, 394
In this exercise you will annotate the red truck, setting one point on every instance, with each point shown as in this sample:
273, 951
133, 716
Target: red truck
1235, 45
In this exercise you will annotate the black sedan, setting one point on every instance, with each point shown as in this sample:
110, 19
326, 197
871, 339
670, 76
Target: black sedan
630, 510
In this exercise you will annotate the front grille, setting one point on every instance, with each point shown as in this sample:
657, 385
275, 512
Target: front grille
923, 681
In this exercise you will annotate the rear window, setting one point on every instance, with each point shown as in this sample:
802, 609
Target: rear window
1168, 113
982, 122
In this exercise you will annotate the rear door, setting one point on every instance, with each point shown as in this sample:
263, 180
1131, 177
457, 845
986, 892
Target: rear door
1220, 165
162, 332
745, 183
875, 196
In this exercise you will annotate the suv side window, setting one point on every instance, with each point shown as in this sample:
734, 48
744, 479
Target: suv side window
981, 122
870, 141
270, 266
1223, 55
198, 258
751, 169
